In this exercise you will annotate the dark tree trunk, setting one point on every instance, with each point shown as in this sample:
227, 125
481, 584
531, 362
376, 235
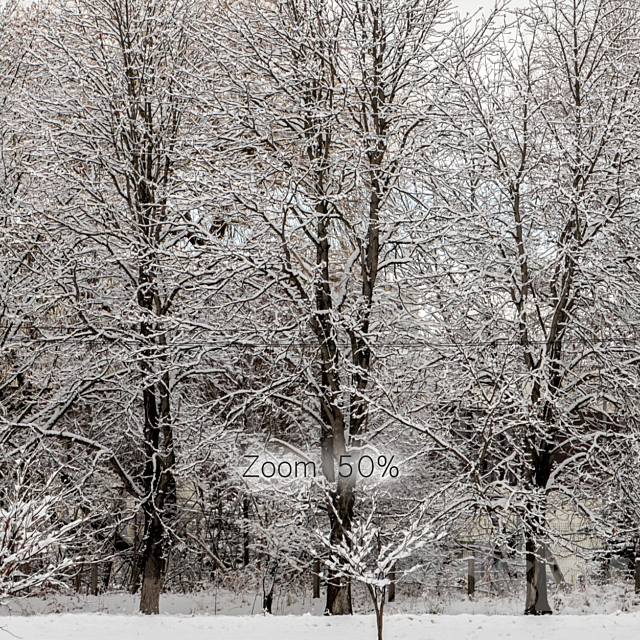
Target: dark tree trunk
471, 577
340, 503
107, 576
245, 533
339, 596
540, 462
152, 564
268, 583
316, 578
378, 597
340, 516
94, 579
537, 601
161, 490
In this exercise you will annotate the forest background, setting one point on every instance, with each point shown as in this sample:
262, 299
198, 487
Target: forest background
388, 253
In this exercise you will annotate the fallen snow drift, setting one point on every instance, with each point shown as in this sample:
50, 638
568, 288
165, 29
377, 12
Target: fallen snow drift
620, 626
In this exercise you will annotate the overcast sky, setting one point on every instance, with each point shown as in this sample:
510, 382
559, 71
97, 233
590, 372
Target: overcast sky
469, 6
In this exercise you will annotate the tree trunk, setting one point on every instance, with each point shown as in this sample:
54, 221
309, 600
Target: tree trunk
94, 579
378, 605
161, 489
540, 460
380, 619
340, 509
245, 533
339, 597
316, 578
268, 584
107, 576
471, 576
537, 602
152, 562
637, 576
340, 516
392, 584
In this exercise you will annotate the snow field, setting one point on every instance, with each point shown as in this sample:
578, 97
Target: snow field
87, 626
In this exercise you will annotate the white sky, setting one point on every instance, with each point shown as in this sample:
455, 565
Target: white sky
470, 6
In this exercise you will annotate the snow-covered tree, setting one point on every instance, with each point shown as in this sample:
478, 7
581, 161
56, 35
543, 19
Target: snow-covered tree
531, 293
32, 529
322, 104
126, 253
370, 552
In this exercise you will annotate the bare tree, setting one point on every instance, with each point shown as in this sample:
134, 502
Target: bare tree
122, 246
534, 262
323, 108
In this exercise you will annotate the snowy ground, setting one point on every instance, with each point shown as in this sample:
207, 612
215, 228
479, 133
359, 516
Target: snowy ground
595, 599
621, 626
597, 613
